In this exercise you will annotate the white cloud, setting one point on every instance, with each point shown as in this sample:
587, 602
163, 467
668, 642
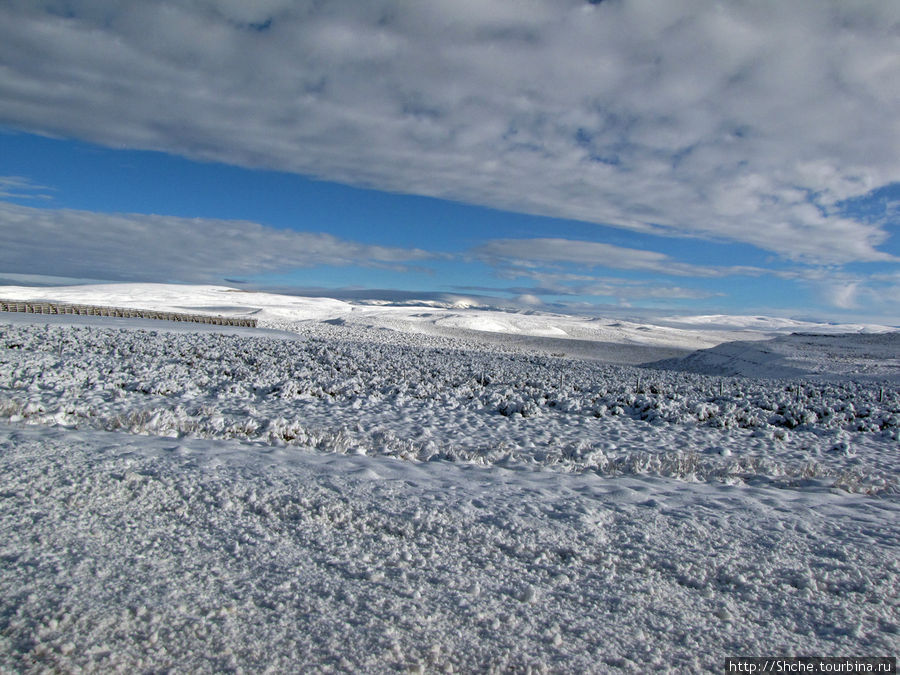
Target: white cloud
540, 252
620, 291
865, 297
556, 283
529, 300
19, 187
136, 247
843, 295
740, 121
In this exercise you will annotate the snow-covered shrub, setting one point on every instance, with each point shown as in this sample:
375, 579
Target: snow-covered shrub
325, 390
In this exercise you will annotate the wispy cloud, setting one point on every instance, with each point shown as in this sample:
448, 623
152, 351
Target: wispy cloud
19, 187
563, 267
747, 122
137, 247
620, 290
542, 251
876, 294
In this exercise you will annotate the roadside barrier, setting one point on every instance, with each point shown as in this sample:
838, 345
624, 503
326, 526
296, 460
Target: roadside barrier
95, 310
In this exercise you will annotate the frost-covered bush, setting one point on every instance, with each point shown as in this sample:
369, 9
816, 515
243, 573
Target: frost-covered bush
259, 388
341, 365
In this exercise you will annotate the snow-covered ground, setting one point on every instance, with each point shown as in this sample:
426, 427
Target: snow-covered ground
873, 356
335, 496
609, 340
125, 553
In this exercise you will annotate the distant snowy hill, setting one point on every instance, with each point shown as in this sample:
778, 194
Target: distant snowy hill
770, 324
598, 338
220, 300
860, 355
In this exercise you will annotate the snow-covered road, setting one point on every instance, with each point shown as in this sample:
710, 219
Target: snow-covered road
124, 553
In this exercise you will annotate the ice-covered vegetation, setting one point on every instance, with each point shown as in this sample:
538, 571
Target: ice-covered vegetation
344, 498
349, 389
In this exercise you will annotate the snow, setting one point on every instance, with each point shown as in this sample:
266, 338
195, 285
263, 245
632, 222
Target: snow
435, 497
123, 552
514, 324
219, 300
589, 337
773, 324
861, 356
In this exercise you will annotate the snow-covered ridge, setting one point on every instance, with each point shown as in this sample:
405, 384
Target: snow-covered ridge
770, 324
176, 297
560, 332
874, 356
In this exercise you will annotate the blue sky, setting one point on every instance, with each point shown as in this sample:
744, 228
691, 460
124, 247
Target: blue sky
619, 157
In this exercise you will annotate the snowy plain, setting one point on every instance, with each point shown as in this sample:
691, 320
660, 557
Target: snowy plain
439, 488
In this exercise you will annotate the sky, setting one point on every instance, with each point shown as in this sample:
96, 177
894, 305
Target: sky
612, 157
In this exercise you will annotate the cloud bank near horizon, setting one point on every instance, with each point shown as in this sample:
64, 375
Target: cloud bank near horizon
742, 122
49, 245
139, 247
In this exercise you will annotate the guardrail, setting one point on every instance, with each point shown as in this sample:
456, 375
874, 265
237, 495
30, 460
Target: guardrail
96, 310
